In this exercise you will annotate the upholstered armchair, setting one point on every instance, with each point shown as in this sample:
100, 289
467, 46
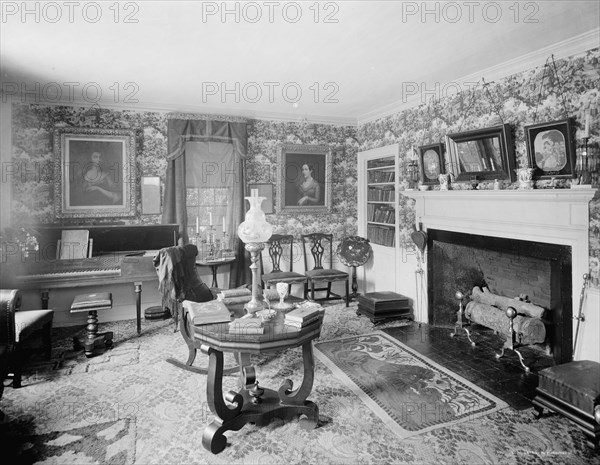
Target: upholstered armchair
19, 329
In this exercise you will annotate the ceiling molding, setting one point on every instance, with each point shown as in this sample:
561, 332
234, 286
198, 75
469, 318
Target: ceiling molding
198, 111
570, 47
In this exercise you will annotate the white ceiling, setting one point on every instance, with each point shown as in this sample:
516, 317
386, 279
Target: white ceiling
368, 63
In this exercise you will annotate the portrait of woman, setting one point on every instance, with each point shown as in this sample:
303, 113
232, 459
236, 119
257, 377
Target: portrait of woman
309, 190
304, 181
550, 150
98, 187
96, 173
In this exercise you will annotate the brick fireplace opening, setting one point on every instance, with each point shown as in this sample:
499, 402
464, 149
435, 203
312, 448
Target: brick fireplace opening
510, 267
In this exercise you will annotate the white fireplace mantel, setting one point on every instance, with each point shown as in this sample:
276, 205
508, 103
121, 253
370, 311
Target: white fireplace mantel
554, 216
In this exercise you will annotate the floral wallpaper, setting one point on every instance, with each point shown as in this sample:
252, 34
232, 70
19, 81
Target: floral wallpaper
33, 129
519, 100
33, 155
264, 139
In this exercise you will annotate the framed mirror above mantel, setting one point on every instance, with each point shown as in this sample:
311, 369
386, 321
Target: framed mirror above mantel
482, 154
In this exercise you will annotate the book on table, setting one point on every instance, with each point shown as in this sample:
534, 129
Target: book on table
302, 324
303, 315
206, 313
246, 325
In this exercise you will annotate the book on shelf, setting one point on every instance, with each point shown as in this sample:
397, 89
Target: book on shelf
206, 313
246, 326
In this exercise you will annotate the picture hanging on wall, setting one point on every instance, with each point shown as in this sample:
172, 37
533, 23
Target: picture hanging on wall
431, 163
551, 149
304, 180
95, 174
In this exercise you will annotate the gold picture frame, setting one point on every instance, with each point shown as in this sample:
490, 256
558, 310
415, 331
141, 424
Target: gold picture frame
94, 173
304, 183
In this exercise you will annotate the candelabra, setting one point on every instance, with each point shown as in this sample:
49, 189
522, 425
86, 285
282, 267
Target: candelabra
254, 232
586, 167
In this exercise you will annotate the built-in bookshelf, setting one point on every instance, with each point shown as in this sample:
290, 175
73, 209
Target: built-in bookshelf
381, 200
378, 172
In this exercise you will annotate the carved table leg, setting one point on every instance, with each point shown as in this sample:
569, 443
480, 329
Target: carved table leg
254, 404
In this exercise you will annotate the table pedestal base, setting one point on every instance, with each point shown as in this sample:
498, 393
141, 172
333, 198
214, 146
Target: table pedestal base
254, 404
261, 414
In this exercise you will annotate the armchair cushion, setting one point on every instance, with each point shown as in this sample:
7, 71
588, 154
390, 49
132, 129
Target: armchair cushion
29, 321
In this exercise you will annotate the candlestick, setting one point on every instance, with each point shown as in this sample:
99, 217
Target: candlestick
224, 231
586, 132
210, 218
197, 226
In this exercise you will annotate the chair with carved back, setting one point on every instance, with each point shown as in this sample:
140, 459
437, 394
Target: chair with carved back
319, 247
280, 248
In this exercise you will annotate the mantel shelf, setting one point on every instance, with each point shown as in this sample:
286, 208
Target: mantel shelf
512, 195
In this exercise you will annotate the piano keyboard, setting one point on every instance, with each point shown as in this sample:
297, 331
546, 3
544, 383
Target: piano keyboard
72, 274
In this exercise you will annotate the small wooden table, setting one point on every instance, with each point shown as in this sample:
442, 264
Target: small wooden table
253, 403
214, 266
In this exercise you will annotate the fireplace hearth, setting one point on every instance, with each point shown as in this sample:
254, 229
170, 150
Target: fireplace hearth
509, 267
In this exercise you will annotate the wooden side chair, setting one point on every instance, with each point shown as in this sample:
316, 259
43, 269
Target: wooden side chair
319, 246
277, 248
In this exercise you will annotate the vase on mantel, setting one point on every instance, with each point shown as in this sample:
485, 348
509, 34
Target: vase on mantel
525, 175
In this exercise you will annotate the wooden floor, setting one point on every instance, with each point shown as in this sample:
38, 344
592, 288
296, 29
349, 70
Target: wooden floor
504, 378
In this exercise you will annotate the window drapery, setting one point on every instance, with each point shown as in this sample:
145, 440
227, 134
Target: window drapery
207, 151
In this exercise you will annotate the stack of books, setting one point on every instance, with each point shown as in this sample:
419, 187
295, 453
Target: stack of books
304, 315
384, 305
247, 325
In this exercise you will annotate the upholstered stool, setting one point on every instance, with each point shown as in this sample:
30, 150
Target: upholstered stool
573, 390
91, 303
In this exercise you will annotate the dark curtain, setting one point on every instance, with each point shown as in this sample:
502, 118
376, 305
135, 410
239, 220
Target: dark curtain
180, 132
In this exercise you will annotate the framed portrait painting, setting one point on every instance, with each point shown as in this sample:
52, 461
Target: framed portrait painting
304, 178
551, 149
94, 173
431, 163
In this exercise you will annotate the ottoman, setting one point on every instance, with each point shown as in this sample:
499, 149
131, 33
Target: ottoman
91, 303
573, 390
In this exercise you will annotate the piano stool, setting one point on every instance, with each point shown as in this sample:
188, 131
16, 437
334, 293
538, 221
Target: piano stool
92, 303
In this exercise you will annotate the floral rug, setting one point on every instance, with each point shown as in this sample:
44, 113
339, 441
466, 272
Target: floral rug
164, 410
409, 392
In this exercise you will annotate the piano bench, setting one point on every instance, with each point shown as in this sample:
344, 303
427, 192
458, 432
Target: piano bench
91, 303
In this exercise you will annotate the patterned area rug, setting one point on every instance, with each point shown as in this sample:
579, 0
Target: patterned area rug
164, 410
409, 392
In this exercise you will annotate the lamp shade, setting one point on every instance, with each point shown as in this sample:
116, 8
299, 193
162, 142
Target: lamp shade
255, 227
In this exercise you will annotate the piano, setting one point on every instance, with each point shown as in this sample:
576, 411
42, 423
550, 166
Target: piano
120, 254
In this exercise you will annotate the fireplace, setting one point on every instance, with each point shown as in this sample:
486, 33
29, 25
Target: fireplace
508, 267
547, 230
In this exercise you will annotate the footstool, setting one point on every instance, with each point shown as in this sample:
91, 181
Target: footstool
573, 390
92, 303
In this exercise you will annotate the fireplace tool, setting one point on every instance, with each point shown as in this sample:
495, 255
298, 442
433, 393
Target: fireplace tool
420, 240
580, 316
